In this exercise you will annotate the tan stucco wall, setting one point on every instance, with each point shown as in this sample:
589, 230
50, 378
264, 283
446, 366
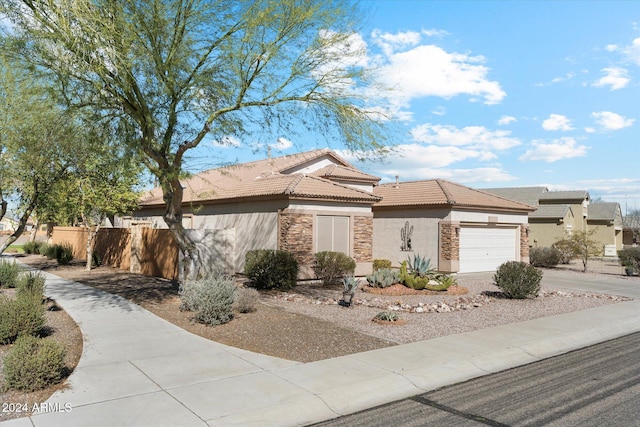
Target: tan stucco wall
606, 234
544, 235
387, 242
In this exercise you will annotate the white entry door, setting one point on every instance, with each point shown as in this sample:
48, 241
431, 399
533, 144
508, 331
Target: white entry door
485, 248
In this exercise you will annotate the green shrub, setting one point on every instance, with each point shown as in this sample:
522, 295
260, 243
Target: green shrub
31, 283
9, 272
23, 315
271, 269
46, 250
32, 247
383, 278
245, 300
64, 253
518, 280
329, 266
567, 250
630, 259
209, 298
381, 263
545, 257
33, 363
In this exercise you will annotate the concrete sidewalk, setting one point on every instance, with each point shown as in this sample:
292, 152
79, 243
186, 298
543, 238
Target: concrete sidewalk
139, 370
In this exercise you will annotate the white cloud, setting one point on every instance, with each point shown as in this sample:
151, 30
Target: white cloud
435, 33
417, 71
227, 141
589, 130
505, 120
558, 149
611, 121
616, 77
557, 122
389, 42
439, 111
475, 137
282, 144
633, 51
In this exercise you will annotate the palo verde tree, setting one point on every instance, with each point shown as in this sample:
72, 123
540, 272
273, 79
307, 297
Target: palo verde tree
36, 140
582, 245
179, 71
100, 184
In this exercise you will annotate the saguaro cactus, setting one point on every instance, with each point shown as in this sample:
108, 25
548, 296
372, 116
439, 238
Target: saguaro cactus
405, 234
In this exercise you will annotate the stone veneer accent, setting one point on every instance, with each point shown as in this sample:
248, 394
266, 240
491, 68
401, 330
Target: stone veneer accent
450, 243
524, 243
296, 236
363, 238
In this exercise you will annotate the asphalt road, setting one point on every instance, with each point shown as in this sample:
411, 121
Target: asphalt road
595, 386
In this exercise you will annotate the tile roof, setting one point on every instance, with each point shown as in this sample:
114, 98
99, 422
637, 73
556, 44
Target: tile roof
603, 211
631, 221
526, 195
550, 212
263, 178
564, 195
344, 173
439, 192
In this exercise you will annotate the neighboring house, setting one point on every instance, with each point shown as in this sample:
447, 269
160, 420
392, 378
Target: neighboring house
7, 225
550, 223
606, 219
460, 229
630, 231
559, 213
303, 203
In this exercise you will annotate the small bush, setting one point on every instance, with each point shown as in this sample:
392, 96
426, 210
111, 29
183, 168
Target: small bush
45, 250
33, 364
545, 257
31, 283
64, 253
567, 250
381, 263
329, 266
630, 258
9, 272
245, 300
271, 269
387, 316
210, 299
23, 315
32, 247
518, 280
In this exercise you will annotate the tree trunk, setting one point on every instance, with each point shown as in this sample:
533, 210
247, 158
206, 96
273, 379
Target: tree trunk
35, 230
172, 194
92, 232
22, 224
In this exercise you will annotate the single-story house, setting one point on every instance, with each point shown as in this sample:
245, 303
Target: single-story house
316, 201
460, 229
606, 219
302, 203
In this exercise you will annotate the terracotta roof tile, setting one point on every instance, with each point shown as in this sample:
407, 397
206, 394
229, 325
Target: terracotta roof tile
439, 192
262, 178
344, 173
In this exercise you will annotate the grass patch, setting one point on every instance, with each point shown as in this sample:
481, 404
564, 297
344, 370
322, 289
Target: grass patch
15, 249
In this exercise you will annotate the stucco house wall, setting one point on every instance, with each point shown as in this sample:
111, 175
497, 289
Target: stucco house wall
424, 226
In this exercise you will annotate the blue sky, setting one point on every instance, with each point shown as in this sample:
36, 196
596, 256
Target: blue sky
498, 94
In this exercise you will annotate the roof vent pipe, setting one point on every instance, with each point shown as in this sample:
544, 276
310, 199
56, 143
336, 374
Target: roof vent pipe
397, 183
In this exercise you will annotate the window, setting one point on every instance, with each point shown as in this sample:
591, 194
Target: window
332, 233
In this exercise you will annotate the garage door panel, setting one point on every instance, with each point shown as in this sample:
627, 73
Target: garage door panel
486, 248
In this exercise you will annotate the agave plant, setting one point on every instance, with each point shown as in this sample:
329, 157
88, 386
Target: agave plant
419, 266
387, 316
383, 278
350, 284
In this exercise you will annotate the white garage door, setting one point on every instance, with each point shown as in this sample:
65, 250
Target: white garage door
485, 248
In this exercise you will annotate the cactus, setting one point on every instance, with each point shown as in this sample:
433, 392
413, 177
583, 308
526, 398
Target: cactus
383, 278
350, 284
405, 234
